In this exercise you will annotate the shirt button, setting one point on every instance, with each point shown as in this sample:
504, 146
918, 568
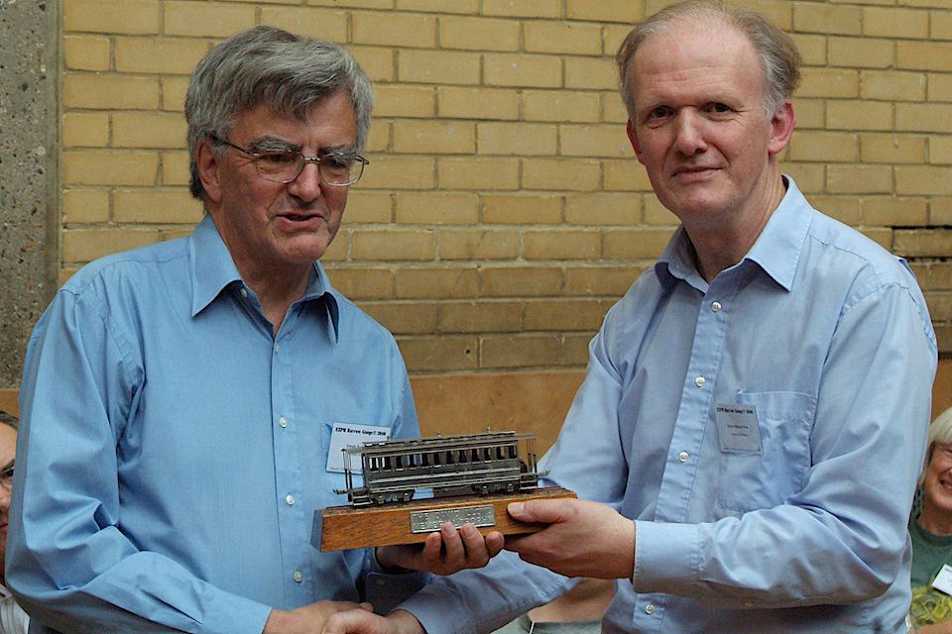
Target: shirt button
290, 500
244, 293
699, 381
649, 609
277, 348
716, 307
298, 576
283, 421
683, 456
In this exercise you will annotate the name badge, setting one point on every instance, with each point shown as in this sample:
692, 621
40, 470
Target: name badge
737, 429
346, 434
943, 580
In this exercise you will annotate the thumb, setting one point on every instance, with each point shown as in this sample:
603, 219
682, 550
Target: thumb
544, 511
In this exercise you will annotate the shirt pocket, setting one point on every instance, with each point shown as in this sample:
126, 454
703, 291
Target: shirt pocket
756, 481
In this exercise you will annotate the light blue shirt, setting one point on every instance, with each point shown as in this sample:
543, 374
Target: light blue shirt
172, 451
828, 337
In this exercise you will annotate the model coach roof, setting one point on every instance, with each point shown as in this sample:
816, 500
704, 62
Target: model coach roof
439, 443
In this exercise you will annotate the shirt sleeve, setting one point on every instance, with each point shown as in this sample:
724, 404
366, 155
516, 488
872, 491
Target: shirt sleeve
68, 561
842, 537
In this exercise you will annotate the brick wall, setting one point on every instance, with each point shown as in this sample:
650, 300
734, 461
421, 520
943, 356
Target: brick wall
503, 212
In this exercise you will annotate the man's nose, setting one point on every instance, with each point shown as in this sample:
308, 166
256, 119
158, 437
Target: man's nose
689, 128
307, 185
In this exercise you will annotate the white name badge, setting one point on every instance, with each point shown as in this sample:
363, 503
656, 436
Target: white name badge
346, 434
737, 429
943, 580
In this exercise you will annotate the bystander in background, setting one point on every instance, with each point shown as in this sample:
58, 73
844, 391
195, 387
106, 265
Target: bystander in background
13, 620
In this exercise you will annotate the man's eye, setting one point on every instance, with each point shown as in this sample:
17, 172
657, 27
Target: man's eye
278, 158
719, 108
337, 162
659, 112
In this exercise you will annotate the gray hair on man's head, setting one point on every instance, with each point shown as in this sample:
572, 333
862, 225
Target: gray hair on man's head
266, 65
779, 57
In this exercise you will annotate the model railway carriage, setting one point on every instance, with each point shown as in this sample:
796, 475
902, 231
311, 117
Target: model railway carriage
480, 464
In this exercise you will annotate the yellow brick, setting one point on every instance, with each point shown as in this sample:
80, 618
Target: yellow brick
575, 350
481, 34
613, 109
859, 179
438, 67
923, 180
564, 174
523, 139
439, 6
859, 115
511, 281
824, 146
843, 208
89, 129
628, 176
519, 351
563, 37
366, 207
483, 316
394, 29
603, 209
892, 85
924, 55
561, 245
811, 113
628, 244
477, 103
933, 275
473, 244
379, 138
657, 214
404, 318
938, 4
109, 167
883, 236
524, 8
560, 105
320, 23
810, 178
436, 283
395, 100
940, 213
522, 209
892, 148
565, 314
172, 56
377, 62
478, 173
600, 280
588, 73
627, 11
812, 48
86, 52
142, 129
85, 245
434, 137
175, 170
862, 52
923, 242
940, 150
357, 4
110, 92
890, 210
206, 19
941, 25
607, 140
81, 206
924, 117
362, 283
888, 22
614, 36
111, 16
511, 69
173, 93
393, 244
824, 18
437, 208
779, 12
439, 353
398, 172
828, 82
940, 87
155, 206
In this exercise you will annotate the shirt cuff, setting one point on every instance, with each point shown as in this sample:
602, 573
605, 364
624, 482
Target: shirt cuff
666, 555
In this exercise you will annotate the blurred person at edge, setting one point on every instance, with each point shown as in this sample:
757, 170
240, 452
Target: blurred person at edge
747, 439
13, 620
179, 401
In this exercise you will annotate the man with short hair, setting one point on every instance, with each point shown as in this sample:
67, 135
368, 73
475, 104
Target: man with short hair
13, 620
748, 435
180, 401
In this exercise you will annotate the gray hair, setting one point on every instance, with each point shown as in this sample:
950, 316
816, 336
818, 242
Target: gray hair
940, 431
778, 54
266, 65
9, 419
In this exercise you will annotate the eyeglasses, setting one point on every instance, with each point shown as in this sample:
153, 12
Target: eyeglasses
6, 475
283, 166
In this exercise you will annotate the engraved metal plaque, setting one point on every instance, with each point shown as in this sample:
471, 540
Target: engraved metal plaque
427, 521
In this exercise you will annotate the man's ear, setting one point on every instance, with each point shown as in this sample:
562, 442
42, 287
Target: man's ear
781, 128
207, 164
633, 139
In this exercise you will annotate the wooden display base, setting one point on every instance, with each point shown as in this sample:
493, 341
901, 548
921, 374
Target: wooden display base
341, 527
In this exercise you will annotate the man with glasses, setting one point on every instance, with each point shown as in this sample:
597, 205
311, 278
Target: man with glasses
13, 620
179, 401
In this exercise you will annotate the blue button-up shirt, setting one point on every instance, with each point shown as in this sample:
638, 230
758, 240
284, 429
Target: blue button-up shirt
827, 336
172, 450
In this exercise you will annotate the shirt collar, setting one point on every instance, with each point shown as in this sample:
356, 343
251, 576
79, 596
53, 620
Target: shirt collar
776, 250
212, 269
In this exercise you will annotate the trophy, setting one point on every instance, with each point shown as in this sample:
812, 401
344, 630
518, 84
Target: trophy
470, 478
